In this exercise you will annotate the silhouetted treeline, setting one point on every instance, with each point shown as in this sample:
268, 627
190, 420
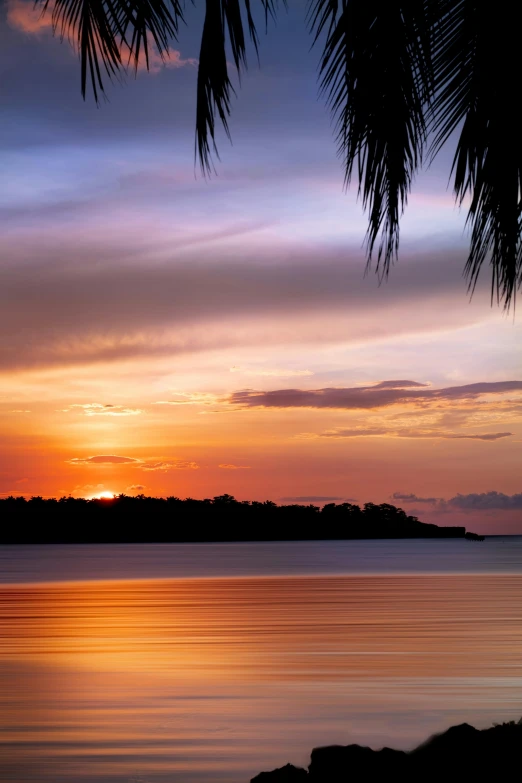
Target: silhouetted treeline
460, 754
222, 518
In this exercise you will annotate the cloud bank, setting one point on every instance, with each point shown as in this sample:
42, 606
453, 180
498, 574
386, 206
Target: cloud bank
475, 501
59, 307
381, 395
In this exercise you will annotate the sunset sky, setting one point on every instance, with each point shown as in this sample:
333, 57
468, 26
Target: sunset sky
167, 334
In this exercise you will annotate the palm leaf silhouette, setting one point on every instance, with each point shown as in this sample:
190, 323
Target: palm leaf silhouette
397, 75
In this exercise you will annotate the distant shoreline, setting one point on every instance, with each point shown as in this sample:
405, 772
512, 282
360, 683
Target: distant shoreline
222, 519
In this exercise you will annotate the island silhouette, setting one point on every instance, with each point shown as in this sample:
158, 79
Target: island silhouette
462, 753
141, 519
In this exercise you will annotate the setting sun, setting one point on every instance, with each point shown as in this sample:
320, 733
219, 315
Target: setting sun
106, 495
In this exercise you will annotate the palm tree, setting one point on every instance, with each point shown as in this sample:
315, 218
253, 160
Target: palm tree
401, 77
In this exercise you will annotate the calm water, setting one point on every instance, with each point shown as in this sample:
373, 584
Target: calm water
195, 663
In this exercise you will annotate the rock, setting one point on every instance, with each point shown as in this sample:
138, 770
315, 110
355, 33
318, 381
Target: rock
286, 774
459, 754
338, 764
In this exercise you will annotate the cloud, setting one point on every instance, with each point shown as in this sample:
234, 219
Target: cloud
408, 433
383, 394
172, 59
317, 498
411, 498
23, 16
273, 373
485, 501
163, 309
136, 488
398, 385
226, 466
102, 459
19, 410
159, 465
81, 490
166, 465
190, 398
95, 409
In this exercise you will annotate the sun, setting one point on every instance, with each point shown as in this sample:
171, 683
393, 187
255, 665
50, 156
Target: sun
105, 495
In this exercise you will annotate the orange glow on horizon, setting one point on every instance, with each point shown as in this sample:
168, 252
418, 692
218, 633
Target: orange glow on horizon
105, 495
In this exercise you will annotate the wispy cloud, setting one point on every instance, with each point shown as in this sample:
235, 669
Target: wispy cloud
383, 394
165, 465
276, 373
162, 310
189, 398
102, 459
96, 409
229, 466
172, 59
410, 433
412, 498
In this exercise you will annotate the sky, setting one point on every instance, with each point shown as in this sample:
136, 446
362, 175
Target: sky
174, 335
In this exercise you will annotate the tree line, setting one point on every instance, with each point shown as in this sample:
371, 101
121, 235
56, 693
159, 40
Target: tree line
140, 518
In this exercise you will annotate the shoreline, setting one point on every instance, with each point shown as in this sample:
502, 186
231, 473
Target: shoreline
459, 753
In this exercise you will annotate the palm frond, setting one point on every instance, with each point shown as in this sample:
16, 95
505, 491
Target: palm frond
101, 30
94, 27
475, 67
158, 19
223, 23
376, 71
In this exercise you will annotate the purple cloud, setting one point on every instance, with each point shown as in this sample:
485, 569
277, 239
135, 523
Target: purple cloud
411, 498
367, 397
487, 500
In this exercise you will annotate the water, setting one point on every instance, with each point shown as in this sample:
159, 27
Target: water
62, 563
195, 663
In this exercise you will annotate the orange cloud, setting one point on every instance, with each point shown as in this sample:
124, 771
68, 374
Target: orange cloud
22, 15
234, 467
95, 409
166, 465
102, 459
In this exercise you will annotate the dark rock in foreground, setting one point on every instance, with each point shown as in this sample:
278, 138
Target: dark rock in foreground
286, 774
462, 753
